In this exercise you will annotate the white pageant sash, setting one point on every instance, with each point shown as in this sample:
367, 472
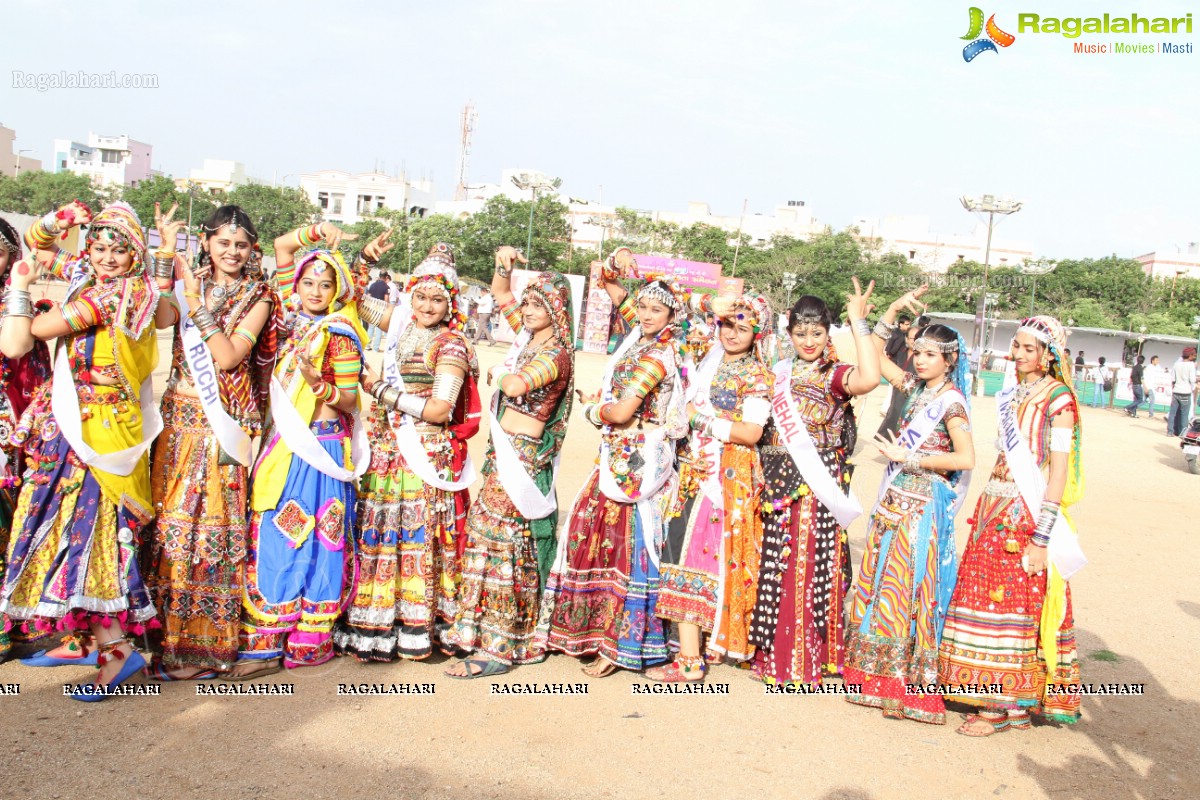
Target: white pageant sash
304, 443
511, 472
700, 395
914, 435
64, 402
1063, 549
230, 436
408, 438
800, 446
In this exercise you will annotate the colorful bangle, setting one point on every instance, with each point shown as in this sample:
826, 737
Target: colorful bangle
72, 314
307, 237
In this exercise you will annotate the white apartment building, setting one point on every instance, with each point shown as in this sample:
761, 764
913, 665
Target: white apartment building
347, 198
1173, 263
911, 237
105, 159
216, 175
12, 160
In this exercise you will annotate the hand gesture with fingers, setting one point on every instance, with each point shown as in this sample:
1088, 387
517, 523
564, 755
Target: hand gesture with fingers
378, 246
168, 228
25, 273
857, 304
891, 449
73, 213
587, 398
309, 370
912, 301
508, 257
333, 236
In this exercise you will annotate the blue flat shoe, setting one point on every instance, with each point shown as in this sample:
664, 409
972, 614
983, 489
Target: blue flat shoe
40, 659
94, 692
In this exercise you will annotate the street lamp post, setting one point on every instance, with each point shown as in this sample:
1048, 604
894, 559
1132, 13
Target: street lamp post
18, 166
789, 283
1041, 266
534, 184
990, 205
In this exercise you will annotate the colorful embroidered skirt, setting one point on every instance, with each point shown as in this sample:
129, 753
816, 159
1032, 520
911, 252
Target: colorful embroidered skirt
499, 597
299, 563
710, 557
799, 623
991, 632
894, 630
602, 594
195, 557
408, 557
73, 552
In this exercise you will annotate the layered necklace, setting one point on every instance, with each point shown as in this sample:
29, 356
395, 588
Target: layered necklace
1026, 388
415, 339
222, 293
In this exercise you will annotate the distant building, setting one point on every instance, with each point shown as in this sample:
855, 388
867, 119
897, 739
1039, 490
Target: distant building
216, 175
113, 160
12, 163
1173, 265
937, 252
346, 199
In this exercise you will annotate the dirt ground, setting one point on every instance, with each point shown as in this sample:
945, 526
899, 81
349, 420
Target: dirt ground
1136, 620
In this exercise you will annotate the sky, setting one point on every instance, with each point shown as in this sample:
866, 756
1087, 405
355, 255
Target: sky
857, 108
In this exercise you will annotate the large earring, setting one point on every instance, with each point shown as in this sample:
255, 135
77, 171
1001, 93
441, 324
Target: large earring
826, 353
1044, 362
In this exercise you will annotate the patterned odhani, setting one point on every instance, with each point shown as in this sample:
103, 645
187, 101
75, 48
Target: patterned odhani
508, 557
300, 556
412, 533
710, 560
602, 592
195, 559
996, 627
800, 621
19, 377
899, 598
76, 528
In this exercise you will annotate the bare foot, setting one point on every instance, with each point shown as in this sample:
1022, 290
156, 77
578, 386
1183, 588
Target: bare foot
600, 668
982, 725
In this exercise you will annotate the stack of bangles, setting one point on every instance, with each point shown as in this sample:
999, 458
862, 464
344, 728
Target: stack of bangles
1045, 523
594, 413
307, 237
861, 327
717, 428
884, 330
164, 264
18, 303
393, 398
202, 318
327, 393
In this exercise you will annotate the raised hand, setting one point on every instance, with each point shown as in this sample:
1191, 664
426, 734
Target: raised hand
378, 246
25, 273
912, 301
333, 236
168, 229
508, 257
857, 304
73, 213
891, 449
587, 398
309, 370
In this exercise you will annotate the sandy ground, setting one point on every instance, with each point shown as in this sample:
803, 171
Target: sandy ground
1136, 620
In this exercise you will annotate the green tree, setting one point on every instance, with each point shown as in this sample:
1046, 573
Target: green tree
37, 192
275, 211
161, 189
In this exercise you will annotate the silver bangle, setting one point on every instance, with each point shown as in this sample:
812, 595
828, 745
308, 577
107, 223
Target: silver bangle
18, 303
411, 404
913, 461
446, 387
883, 330
164, 267
861, 327
371, 310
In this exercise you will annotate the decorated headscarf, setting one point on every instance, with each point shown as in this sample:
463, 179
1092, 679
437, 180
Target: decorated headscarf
437, 272
118, 224
756, 309
553, 292
10, 240
320, 262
